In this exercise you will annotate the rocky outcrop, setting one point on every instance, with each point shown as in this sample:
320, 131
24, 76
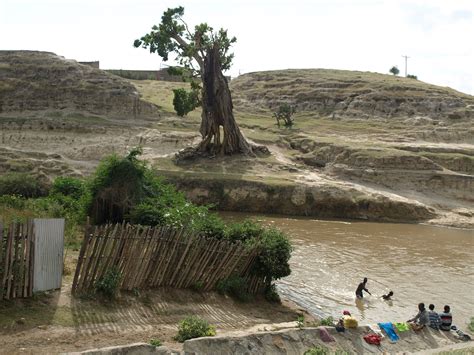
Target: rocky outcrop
40, 82
324, 200
341, 93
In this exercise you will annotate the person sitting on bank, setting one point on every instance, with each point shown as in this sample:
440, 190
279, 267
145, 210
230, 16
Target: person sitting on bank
388, 296
433, 317
361, 288
421, 319
446, 319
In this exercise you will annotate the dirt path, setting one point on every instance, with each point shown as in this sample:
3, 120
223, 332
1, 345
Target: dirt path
56, 323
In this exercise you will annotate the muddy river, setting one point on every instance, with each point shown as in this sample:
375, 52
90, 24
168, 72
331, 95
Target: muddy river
418, 263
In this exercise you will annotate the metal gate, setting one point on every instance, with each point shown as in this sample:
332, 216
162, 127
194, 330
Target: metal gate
48, 256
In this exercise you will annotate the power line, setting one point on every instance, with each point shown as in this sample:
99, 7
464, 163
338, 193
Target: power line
406, 64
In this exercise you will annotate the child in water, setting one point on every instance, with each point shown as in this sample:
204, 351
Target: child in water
388, 296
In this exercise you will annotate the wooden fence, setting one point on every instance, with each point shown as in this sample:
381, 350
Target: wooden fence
16, 260
150, 257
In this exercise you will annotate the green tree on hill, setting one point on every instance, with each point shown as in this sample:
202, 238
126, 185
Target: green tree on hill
394, 70
203, 52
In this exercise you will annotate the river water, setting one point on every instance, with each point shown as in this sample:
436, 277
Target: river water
419, 263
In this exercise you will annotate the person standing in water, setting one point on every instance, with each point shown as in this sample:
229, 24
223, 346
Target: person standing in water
361, 288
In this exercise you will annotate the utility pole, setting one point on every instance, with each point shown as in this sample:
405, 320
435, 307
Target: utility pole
406, 60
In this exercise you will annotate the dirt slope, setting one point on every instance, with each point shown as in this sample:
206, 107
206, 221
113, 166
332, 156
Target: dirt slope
364, 145
32, 82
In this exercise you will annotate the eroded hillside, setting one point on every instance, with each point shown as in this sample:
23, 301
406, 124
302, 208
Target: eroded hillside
34, 82
364, 145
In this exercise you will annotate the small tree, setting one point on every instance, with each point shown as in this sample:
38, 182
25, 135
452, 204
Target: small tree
394, 70
185, 101
285, 113
410, 76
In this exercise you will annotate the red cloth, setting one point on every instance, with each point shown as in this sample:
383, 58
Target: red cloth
346, 313
325, 336
373, 339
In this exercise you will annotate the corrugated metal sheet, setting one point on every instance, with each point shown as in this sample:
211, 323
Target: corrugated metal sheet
49, 247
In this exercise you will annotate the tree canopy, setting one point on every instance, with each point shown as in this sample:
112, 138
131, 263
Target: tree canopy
173, 35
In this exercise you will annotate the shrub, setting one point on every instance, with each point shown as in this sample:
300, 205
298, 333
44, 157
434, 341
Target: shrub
272, 261
194, 327
317, 350
471, 324
155, 342
244, 231
211, 225
271, 294
184, 101
300, 322
12, 201
285, 113
68, 186
21, 184
235, 287
328, 322
108, 284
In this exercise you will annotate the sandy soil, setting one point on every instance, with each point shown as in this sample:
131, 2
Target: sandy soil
88, 324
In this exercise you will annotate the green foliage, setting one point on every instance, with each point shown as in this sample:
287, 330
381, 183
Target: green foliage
68, 186
21, 184
271, 294
155, 342
194, 327
109, 284
285, 113
317, 350
394, 70
185, 101
272, 261
235, 287
471, 324
210, 225
328, 322
410, 76
300, 322
173, 36
244, 231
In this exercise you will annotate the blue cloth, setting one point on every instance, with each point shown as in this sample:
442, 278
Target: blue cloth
388, 328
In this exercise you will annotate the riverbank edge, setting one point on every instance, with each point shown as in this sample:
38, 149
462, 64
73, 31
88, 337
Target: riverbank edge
232, 194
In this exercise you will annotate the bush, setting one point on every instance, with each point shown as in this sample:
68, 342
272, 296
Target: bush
471, 324
155, 342
194, 327
21, 184
285, 113
12, 201
271, 294
328, 322
272, 261
108, 284
68, 186
317, 350
235, 287
184, 101
211, 225
244, 231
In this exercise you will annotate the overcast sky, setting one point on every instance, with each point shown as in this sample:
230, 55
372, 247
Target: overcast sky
366, 35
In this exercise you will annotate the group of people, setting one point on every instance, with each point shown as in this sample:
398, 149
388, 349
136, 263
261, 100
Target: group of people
431, 318
424, 318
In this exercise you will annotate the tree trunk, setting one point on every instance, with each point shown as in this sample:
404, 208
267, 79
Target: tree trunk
217, 112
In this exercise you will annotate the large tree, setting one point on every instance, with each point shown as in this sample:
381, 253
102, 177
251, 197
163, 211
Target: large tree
204, 53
